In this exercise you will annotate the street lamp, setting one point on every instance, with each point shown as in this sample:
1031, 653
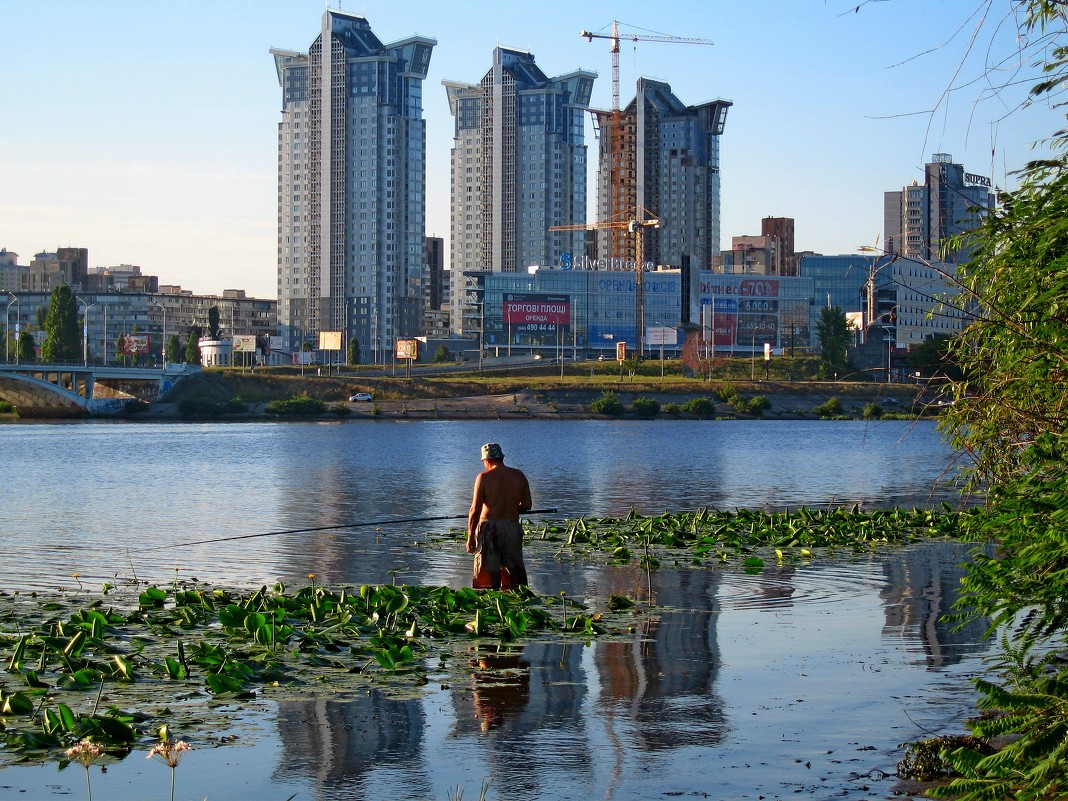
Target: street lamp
7, 329
85, 329
163, 348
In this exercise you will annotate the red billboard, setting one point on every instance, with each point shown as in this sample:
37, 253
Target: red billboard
530, 312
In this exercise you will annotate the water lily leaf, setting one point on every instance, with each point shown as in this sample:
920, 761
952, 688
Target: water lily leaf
397, 603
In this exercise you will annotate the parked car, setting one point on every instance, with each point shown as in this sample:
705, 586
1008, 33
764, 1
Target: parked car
361, 397
602, 358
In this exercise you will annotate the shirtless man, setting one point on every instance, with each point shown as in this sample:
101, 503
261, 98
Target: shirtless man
494, 534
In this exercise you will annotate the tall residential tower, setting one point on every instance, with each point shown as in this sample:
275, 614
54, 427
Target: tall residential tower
920, 220
351, 186
518, 167
661, 155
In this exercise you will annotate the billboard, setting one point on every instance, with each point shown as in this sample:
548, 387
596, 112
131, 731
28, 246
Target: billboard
661, 335
329, 340
132, 344
534, 313
244, 343
407, 349
621, 351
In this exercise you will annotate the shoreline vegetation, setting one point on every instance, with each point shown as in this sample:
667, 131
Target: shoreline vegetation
585, 391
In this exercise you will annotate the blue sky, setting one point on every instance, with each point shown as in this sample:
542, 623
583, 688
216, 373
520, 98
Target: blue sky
146, 131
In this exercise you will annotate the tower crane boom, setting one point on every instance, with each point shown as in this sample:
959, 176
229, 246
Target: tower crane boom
615, 36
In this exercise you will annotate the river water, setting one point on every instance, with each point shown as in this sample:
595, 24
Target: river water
800, 680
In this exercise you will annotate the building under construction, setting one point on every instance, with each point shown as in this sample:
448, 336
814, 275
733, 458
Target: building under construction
661, 156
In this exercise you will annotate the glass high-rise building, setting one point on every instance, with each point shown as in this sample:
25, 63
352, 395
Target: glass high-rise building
351, 186
518, 168
660, 157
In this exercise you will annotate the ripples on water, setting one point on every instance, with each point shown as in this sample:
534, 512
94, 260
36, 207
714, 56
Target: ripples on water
793, 681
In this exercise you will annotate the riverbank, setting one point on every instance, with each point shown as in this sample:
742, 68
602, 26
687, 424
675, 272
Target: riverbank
527, 397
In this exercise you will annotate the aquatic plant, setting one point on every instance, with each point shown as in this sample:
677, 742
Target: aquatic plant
169, 752
85, 753
789, 535
189, 641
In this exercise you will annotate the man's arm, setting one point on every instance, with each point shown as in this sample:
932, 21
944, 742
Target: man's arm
525, 503
477, 501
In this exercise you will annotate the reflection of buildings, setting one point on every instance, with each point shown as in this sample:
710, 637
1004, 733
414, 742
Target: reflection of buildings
662, 680
515, 698
922, 586
334, 744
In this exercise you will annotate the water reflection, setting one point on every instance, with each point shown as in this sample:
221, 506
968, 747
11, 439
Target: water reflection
333, 745
706, 685
921, 588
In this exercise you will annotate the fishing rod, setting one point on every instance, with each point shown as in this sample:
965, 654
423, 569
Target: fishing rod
331, 528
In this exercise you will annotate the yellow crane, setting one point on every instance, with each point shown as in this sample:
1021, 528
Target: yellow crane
619, 180
641, 220
614, 36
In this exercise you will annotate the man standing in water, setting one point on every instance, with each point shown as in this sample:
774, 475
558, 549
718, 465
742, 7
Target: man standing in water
494, 534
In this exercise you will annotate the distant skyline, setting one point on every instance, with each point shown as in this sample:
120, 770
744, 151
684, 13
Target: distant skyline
147, 132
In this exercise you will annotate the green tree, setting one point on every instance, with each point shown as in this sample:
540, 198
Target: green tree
834, 334
26, 348
354, 352
174, 352
932, 358
63, 342
443, 355
214, 331
1011, 418
192, 346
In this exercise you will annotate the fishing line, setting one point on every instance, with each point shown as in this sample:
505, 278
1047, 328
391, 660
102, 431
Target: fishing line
330, 528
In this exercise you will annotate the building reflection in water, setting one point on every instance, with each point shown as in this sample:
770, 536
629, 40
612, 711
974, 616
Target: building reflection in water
335, 744
657, 689
526, 701
921, 587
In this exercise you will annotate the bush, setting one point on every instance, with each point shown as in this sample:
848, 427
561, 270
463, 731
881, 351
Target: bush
831, 408
443, 354
646, 407
341, 410
754, 406
728, 394
6, 407
700, 407
608, 404
672, 409
872, 411
300, 406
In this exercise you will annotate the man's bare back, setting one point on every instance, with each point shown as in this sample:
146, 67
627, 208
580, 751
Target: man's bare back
501, 493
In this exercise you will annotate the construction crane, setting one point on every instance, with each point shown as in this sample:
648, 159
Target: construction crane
636, 225
619, 181
615, 37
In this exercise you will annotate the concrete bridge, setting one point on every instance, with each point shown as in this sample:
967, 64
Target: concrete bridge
63, 390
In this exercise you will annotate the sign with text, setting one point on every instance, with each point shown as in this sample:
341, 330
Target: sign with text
407, 349
244, 343
661, 335
621, 351
535, 312
329, 340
